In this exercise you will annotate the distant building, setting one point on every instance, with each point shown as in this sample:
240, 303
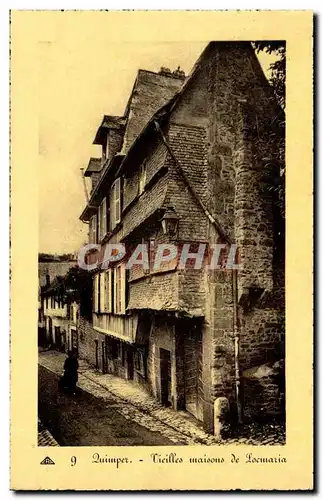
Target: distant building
192, 161
52, 311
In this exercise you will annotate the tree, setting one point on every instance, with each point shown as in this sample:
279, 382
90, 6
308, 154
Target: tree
277, 69
277, 80
78, 285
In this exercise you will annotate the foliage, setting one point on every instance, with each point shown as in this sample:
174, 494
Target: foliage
277, 69
277, 80
50, 257
78, 284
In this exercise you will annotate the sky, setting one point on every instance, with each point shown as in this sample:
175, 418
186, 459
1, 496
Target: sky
82, 77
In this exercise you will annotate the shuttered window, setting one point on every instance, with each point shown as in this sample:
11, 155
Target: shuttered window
108, 291
93, 229
118, 200
104, 292
120, 289
103, 219
115, 203
96, 293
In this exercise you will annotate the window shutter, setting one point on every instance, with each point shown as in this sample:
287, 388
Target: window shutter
99, 224
96, 293
107, 211
123, 288
117, 200
102, 219
108, 291
112, 208
104, 216
102, 292
115, 290
94, 228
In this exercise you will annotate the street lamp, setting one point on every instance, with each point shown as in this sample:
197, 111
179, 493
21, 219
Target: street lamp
169, 222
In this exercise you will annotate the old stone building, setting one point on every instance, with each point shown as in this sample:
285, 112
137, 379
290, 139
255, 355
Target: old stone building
193, 162
50, 270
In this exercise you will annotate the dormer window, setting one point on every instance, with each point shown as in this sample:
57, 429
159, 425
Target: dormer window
142, 177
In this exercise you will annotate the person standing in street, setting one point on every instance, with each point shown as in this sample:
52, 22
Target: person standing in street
70, 376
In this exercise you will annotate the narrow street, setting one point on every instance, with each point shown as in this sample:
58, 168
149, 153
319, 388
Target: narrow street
84, 420
110, 411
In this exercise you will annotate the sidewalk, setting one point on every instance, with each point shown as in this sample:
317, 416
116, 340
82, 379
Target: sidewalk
139, 406
44, 436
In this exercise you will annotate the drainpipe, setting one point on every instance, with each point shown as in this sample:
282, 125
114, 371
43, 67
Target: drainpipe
236, 331
225, 236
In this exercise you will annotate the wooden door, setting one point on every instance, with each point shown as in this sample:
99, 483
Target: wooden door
165, 377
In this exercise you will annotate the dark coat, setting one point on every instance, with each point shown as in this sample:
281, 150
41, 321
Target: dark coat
70, 370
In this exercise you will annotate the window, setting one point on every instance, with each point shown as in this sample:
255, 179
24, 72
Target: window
142, 177
106, 291
115, 203
93, 229
102, 219
96, 293
114, 349
140, 361
120, 289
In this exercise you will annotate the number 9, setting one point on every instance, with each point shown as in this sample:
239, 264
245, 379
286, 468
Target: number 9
73, 461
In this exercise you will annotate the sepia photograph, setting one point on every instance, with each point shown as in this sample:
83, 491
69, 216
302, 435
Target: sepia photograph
161, 259
161, 250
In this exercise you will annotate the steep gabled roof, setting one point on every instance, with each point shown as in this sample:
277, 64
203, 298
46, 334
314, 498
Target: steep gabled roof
165, 110
150, 92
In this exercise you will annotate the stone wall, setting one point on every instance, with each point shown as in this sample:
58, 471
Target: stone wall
115, 138
230, 104
162, 337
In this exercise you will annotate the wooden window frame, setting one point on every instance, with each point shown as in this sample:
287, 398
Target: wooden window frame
119, 272
93, 229
102, 219
96, 293
115, 203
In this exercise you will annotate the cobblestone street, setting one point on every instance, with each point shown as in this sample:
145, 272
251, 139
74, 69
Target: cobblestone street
135, 405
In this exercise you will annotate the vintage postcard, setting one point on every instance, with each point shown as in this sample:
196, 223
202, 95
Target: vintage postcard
161, 262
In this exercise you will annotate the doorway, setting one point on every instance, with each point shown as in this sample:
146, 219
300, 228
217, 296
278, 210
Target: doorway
165, 378
50, 332
130, 362
57, 337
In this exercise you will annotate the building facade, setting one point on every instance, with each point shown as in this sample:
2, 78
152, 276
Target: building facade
59, 317
193, 163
